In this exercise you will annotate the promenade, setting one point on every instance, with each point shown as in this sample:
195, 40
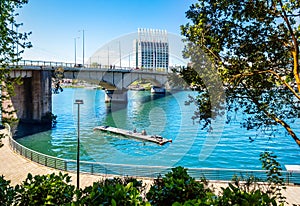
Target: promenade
15, 168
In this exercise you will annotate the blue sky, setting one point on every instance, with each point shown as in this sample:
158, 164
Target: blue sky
55, 23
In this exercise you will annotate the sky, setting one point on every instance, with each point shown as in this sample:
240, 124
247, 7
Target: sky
55, 23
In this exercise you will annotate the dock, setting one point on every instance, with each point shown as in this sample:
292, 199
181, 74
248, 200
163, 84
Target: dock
136, 135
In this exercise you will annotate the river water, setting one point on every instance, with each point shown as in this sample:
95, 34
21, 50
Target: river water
226, 146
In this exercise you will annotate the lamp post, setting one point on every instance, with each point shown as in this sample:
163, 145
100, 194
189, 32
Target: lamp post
82, 47
108, 56
78, 102
17, 30
120, 54
75, 49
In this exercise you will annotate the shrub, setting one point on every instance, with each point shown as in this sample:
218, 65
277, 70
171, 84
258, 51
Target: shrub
115, 191
235, 195
274, 176
176, 186
48, 189
252, 193
7, 192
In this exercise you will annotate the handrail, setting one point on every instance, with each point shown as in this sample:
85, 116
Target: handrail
40, 63
141, 171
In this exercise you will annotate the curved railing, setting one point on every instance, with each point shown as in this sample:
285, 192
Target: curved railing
140, 171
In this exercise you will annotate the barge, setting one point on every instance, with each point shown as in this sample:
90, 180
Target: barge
134, 134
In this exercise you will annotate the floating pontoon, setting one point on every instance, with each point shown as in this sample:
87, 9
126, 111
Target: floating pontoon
136, 135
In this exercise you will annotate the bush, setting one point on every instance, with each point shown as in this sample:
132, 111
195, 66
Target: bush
7, 192
49, 189
176, 186
252, 193
235, 195
115, 191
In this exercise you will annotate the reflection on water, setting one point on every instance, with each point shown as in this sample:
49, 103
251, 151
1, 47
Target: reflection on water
163, 115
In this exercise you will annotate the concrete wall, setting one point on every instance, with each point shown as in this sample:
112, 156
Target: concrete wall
32, 99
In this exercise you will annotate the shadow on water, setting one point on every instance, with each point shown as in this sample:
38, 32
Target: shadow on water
116, 106
23, 129
155, 96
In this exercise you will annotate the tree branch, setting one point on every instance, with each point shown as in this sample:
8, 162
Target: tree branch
295, 51
276, 119
268, 71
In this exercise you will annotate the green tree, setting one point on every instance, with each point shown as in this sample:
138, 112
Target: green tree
12, 45
254, 47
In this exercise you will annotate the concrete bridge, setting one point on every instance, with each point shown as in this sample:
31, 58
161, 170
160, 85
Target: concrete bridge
33, 99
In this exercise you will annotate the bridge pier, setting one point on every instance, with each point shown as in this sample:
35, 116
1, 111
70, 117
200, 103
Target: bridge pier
116, 96
33, 98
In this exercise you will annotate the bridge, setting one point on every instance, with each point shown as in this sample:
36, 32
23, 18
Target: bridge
33, 99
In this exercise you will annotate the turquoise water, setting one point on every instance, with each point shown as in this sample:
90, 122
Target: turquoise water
227, 146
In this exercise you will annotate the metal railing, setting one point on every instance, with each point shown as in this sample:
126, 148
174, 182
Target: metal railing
44, 63
38, 63
142, 171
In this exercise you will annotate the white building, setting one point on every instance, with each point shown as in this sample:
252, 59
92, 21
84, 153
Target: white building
151, 50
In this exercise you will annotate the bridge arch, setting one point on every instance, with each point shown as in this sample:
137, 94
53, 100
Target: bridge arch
116, 79
156, 80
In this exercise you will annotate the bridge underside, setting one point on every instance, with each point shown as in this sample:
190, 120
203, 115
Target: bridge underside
116, 80
33, 98
32, 102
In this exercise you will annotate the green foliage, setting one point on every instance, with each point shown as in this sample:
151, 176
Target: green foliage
49, 117
253, 47
274, 175
10, 37
273, 167
112, 192
176, 186
45, 190
57, 76
7, 192
184, 78
251, 191
234, 195
12, 45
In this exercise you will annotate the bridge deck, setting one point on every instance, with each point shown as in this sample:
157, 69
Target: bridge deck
150, 138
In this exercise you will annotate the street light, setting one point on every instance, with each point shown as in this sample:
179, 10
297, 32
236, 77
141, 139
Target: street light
75, 48
108, 56
120, 54
78, 102
82, 46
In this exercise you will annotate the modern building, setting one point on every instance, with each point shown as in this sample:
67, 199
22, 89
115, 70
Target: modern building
151, 50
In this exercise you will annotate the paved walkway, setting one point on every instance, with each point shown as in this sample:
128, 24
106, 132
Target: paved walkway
15, 167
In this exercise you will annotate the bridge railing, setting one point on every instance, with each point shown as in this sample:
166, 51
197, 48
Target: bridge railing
44, 63
38, 63
141, 171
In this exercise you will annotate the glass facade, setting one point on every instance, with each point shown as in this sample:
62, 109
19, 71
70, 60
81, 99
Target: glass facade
152, 50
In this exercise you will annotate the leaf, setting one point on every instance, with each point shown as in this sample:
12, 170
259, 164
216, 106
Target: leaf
113, 202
